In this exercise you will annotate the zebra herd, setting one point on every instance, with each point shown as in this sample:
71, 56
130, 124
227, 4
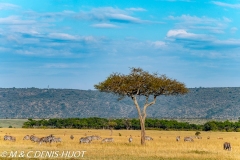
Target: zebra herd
47, 139
89, 139
226, 145
190, 139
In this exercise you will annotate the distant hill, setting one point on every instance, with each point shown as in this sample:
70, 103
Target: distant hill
219, 103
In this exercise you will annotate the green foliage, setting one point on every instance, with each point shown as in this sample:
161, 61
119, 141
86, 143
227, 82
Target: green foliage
158, 124
10, 127
141, 83
99, 123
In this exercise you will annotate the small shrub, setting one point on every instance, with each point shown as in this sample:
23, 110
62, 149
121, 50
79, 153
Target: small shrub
10, 127
119, 134
197, 133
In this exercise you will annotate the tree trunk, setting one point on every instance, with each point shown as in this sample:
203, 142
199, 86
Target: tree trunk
111, 131
142, 123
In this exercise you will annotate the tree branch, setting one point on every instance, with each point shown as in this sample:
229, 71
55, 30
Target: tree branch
147, 105
137, 106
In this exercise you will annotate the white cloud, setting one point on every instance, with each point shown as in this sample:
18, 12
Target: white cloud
180, 33
63, 36
5, 6
104, 25
234, 29
109, 14
15, 20
201, 23
136, 9
236, 6
159, 44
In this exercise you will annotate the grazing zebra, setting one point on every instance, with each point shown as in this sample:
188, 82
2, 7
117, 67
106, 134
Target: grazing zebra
84, 140
27, 137
71, 137
148, 138
178, 138
130, 139
95, 137
188, 139
57, 139
47, 139
227, 146
43, 139
34, 138
107, 140
9, 138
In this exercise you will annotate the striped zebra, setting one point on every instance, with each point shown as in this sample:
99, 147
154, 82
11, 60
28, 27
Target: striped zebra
84, 140
130, 139
46, 139
227, 146
71, 137
43, 139
188, 139
95, 137
34, 138
9, 138
148, 138
178, 138
27, 137
57, 139
107, 140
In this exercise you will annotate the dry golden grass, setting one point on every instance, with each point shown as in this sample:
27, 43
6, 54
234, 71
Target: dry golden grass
164, 145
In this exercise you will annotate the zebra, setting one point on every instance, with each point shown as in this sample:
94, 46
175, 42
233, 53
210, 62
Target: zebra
84, 140
34, 138
71, 137
188, 139
9, 138
227, 146
178, 138
95, 137
148, 138
43, 139
47, 139
58, 139
130, 139
27, 137
107, 140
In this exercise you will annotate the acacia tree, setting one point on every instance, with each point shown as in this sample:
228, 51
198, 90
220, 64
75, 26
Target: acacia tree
141, 83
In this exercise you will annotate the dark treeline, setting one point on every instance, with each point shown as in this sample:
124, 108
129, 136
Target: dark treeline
103, 123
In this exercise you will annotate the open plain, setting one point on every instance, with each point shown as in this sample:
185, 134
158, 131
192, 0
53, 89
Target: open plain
164, 145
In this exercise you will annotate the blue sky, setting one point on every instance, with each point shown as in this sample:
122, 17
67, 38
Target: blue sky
78, 43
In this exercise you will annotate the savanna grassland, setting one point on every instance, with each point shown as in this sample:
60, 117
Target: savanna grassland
164, 145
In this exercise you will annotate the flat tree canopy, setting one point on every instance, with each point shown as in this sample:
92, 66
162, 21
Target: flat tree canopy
141, 83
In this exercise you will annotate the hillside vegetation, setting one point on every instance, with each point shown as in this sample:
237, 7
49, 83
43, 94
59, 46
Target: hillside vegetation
218, 103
